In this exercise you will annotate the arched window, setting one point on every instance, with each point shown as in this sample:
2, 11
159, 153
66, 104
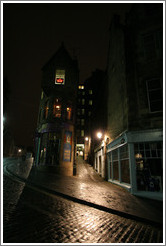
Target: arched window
57, 108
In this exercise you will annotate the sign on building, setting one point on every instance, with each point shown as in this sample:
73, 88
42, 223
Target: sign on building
67, 146
60, 77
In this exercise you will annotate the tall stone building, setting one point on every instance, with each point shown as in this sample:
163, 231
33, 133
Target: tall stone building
55, 138
135, 101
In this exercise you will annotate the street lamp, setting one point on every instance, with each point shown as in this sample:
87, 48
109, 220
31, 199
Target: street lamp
86, 139
99, 135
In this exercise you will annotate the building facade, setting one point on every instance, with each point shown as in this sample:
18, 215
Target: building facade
135, 101
55, 137
91, 113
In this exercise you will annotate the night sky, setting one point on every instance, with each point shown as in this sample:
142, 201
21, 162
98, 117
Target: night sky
32, 33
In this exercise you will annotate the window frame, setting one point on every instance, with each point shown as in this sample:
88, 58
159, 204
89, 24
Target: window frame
148, 95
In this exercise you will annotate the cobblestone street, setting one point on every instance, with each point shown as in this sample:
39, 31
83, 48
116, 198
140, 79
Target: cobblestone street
32, 215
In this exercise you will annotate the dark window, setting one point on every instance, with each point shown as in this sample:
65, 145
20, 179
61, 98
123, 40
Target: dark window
125, 171
46, 109
153, 45
155, 98
149, 47
115, 164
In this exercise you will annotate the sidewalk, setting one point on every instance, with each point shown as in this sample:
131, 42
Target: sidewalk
88, 186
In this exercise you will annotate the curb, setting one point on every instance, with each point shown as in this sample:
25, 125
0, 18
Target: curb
90, 204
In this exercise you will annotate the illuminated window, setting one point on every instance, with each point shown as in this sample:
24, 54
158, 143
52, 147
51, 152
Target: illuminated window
46, 109
90, 102
90, 92
82, 133
155, 99
60, 77
83, 101
81, 87
68, 110
83, 111
57, 109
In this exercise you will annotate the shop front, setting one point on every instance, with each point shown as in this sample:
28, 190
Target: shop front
135, 161
55, 149
99, 161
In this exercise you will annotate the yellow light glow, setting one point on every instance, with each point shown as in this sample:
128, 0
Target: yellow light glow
99, 135
138, 155
19, 150
81, 87
86, 139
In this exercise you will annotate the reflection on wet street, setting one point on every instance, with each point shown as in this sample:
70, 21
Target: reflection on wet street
11, 197
34, 216
12, 190
43, 218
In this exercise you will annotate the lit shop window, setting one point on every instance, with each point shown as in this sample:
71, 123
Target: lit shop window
60, 77
57, 109
81, 87
46, 109
69, 112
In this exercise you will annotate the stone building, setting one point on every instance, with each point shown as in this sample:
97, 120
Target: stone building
55, 137
135, 101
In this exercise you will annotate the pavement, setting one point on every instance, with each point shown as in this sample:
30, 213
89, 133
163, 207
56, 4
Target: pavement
88, 188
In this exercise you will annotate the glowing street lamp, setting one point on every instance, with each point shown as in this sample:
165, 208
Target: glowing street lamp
99, 135
86, 139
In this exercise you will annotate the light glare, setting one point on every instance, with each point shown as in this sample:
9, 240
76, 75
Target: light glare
99, 135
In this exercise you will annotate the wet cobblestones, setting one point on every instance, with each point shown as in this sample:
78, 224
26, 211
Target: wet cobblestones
39, 217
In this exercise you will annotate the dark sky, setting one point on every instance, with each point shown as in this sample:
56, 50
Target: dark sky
32, 33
